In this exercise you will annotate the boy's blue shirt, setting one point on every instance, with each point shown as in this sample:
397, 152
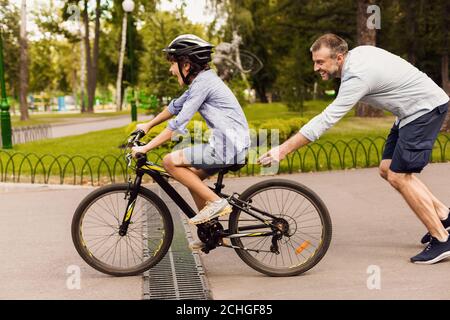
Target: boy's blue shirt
216, 103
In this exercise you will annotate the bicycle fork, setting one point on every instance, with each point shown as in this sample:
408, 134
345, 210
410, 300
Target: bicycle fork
131, 204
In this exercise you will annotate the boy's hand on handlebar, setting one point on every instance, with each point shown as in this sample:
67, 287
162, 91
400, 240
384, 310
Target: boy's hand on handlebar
136, 150
144, 127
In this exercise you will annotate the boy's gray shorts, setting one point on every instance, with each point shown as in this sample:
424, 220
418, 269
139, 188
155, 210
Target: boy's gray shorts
203, 156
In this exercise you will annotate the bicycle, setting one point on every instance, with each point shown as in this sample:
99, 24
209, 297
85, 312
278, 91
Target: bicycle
125, 229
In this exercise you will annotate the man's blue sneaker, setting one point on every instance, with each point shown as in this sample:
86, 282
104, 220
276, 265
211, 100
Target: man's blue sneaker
446, 223
434, 252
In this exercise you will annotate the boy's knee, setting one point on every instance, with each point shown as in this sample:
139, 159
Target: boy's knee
167, 162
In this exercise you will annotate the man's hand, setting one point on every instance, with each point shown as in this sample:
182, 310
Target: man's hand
141, 149
279, 153
274, 155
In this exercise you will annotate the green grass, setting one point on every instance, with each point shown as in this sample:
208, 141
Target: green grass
261, 111
94, 143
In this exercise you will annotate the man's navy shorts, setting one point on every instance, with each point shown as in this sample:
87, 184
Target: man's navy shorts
410, 147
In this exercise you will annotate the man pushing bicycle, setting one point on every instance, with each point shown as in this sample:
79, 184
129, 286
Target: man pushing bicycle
386, 81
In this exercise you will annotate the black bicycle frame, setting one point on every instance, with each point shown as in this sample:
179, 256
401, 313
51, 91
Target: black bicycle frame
186, 208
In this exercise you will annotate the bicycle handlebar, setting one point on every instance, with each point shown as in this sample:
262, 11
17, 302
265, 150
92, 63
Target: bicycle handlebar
138, 134
141, 158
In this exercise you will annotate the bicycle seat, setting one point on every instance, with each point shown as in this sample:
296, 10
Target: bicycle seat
235, 167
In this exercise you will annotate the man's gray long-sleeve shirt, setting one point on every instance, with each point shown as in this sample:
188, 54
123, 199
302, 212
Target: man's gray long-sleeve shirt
383, 80
216, 103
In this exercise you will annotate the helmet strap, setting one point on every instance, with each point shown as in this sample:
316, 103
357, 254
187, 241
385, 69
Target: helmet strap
185, 78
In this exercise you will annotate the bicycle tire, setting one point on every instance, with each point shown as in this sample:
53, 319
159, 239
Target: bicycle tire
308, 194
150, 198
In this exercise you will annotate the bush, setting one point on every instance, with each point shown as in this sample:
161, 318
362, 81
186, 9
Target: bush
295, 124
286, 127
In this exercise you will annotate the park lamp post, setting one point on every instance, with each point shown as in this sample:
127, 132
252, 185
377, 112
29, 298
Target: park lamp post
128, 7
5, 118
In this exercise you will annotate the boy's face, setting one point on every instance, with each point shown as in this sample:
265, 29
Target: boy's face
328, 67
175, 72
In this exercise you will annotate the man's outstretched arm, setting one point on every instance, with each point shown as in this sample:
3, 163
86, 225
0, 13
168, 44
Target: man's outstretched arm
350, 92
279, 153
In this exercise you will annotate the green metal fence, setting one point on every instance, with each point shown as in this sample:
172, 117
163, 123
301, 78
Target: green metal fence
96, 170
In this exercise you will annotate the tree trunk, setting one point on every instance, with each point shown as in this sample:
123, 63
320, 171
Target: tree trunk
366, 36
82, 75
261, 92
120, 71
444, 61
411, 7
87, 46
23, 74
92, 61
95, 58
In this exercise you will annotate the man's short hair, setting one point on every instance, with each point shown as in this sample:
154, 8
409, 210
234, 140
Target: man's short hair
332, 41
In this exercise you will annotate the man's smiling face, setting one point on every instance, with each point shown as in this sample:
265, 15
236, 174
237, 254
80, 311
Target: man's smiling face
327, 65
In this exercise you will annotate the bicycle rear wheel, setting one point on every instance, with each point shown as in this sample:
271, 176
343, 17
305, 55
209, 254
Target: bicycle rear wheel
301, 215
95, 231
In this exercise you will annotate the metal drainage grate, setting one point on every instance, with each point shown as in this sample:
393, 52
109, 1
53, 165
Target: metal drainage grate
180, 274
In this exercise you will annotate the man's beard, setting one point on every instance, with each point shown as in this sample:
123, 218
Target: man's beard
333, 75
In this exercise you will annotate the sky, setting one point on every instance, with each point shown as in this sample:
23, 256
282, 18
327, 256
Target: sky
195, 11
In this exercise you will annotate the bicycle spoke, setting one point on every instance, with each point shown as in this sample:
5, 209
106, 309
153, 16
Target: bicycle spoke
100, 219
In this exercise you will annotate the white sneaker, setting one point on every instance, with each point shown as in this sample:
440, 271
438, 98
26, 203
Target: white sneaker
213, 209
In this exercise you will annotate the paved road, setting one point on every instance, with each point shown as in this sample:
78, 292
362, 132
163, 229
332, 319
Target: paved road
37, 250
372, 226
92, 124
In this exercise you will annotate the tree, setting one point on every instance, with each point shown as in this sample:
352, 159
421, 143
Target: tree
91, 57
280, 32
445, 52
124, 27
120, 68
23, 63
54, 56
160, 28
42, 67
10, 22
366, 36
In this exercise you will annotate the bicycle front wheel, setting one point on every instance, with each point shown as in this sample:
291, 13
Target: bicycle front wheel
95, 231
300, 215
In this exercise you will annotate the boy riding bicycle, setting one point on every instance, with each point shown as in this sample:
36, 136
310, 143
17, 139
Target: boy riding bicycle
189, 56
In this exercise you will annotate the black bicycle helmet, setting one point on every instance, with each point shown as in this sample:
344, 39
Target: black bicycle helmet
188, 45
